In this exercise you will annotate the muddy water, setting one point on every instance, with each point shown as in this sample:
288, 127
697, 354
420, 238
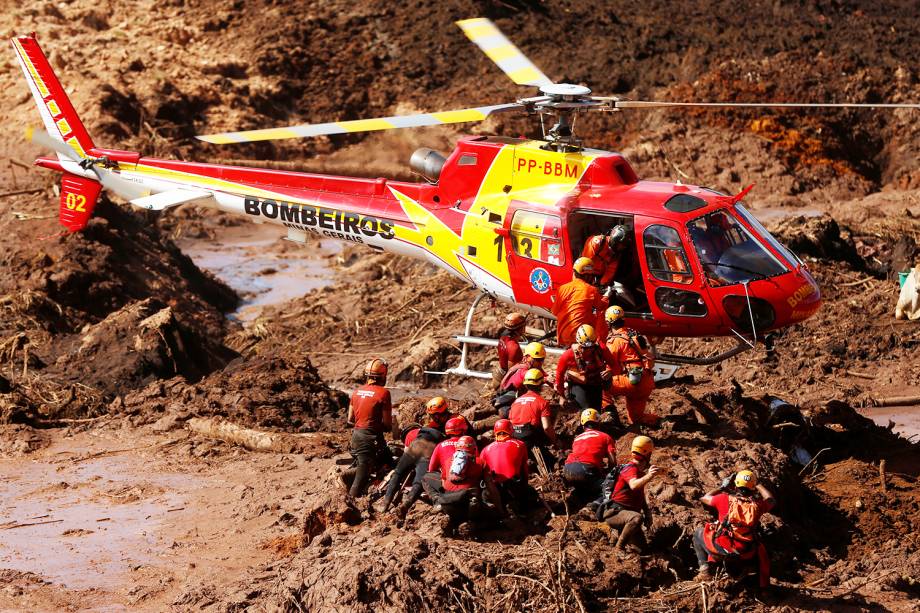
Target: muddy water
906, 419
94, 521
264, 269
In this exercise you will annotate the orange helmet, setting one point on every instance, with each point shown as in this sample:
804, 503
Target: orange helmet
503, 429
467, 444
515, 321
455, 426
376, 369
436, 405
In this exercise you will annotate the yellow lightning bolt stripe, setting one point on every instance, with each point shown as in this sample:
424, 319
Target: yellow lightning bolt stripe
191, 179
445, 244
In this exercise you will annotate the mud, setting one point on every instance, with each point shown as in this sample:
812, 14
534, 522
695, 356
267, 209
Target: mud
112, 339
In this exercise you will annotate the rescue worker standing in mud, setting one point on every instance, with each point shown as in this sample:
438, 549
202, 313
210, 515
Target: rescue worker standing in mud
509, 345
605, 250
532, 419
420, 444
578, 302
370, 412
584, 369
512, 386
584, 468
624, 502
630, 357
506, 457
734, 535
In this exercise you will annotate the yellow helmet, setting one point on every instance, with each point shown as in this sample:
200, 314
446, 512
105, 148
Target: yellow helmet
584, 266
535, 350
534, 376
745, 479
643, 446
614, 313
585, 334
436, 405
589, 415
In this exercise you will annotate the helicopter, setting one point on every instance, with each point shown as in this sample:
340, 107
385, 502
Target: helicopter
509, 216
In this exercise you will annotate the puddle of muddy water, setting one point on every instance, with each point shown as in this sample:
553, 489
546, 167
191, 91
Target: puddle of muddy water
255, 261
94, 541
906, 419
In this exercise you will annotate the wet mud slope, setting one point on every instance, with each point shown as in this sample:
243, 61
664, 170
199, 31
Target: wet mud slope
115, 346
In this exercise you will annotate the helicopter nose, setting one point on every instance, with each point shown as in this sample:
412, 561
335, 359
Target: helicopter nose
805, 300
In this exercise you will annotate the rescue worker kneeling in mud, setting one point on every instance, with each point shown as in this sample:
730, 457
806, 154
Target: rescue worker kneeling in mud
591, 450
512, 385
630, 357
532, 419
583, 370
419, 445
371, 413
506, 458
623, 501
457, 481
509, 346
734, 535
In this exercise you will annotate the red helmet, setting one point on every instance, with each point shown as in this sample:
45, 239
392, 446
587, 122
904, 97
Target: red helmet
455, 426
503, 429
467, 444
376, 369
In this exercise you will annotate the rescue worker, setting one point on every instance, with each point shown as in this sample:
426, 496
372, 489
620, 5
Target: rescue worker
506, 457
624, 503
578, 302
734, 535
591, 450
605, 250
456, 478
509, 345
370, 412
630, 357
512, 384
532, 419
419, 445
584, 369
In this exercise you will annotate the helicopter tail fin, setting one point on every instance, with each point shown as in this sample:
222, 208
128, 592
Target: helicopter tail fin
58, 115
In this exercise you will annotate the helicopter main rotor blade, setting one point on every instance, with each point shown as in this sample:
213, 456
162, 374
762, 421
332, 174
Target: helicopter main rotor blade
109, 180
503, 52
360, 125
648, 104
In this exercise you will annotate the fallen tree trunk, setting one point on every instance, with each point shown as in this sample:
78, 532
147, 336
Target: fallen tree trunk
894, 401
484, 425
260, 440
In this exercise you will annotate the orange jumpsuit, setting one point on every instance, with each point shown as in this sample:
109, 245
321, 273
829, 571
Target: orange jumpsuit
605, 259
623, 353
578, 302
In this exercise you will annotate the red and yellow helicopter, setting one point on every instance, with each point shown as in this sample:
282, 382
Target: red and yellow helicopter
507, 215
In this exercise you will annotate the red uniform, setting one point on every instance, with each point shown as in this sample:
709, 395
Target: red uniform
371, 407
441, 460
745, 542
509, 352
411, 436
528, 409
622, 353
628, 498
605, 259
721, 503
506, 459
592, 364
578, 302
591, 447
514, 379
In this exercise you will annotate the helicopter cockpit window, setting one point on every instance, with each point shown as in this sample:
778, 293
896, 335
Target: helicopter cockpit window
537, 236
665, 255
728, 252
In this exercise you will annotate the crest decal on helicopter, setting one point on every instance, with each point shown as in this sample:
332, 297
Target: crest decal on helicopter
540, 280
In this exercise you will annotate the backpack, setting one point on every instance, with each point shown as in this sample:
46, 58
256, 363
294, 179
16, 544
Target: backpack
459, 466
606, 506
740, 523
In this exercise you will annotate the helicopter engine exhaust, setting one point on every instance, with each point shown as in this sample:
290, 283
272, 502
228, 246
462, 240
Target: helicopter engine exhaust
428, 163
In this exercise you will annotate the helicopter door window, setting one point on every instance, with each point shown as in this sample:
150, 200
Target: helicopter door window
536, 236
665, 254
